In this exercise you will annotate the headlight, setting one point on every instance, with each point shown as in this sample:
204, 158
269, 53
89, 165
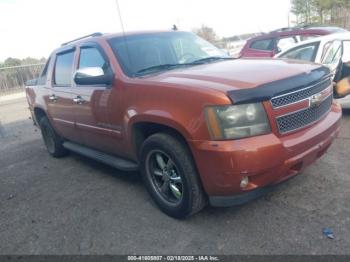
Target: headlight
237, 121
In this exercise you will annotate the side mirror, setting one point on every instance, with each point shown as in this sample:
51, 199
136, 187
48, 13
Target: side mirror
93, 76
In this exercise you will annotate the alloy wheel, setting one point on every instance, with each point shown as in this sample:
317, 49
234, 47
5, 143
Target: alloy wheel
165, 177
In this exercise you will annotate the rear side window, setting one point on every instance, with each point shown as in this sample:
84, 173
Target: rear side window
91, 57
266, 45
63, 69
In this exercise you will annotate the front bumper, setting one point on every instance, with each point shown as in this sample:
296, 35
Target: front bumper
267, 160
344, 102
235, 200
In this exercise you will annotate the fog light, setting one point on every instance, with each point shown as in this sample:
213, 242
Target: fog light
244, 182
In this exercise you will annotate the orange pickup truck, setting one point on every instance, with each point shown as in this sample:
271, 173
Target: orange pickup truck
200, 126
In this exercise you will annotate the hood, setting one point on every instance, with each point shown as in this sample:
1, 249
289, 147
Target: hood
246, 76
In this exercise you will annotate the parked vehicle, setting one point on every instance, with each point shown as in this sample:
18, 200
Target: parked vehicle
268, 45
199, 125
332, 51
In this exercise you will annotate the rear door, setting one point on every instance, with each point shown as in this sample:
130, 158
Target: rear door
59, 98
97, 106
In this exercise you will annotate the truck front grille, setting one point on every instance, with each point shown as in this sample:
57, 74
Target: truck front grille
299, 95
305, 117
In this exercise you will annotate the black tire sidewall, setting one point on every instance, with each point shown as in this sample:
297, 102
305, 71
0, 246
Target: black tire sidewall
184, 207
58, 150
45, 131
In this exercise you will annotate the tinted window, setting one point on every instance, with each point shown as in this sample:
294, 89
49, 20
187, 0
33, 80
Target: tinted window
266, 44
306, 52
63, 69
43, 75
91, 57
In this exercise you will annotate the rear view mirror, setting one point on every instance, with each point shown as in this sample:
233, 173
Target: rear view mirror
93, 76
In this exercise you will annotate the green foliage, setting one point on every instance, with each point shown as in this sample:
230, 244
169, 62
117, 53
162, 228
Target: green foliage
15, 72
334, 12
12, 62
206, 33
9, 62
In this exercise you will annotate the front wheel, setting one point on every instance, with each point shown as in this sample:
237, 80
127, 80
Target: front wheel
170, 176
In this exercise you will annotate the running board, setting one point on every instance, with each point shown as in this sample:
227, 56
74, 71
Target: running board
110, 160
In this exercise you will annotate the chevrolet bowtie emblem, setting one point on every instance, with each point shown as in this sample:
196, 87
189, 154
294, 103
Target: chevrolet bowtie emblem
316, 100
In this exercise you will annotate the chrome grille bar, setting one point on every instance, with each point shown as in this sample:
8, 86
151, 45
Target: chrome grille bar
300, 119
299, 95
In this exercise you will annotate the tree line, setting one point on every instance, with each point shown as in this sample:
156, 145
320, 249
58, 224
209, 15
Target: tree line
330, 12
11, 62
15, 72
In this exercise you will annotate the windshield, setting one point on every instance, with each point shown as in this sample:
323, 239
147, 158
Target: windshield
137, 53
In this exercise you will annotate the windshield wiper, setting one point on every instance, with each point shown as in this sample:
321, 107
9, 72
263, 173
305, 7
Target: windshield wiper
159, 67
210, 59
172, 66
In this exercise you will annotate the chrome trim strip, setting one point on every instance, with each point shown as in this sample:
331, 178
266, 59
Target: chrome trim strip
293, 103
297, 91
63, 121
99, 128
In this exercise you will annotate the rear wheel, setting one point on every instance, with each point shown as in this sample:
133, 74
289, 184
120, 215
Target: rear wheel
170, 176
53, 142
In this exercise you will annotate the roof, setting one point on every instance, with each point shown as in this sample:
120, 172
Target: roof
130, 33
68, 45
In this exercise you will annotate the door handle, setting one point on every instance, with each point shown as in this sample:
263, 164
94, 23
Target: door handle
79, 100
53, 98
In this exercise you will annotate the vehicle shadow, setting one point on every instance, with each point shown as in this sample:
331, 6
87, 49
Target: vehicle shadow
127, 176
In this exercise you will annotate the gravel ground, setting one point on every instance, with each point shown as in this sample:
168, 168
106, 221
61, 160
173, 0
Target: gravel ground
77, 206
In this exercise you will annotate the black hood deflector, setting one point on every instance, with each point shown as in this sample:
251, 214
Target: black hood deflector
267, 91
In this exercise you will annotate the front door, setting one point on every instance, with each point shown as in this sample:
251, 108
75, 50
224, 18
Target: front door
95, 105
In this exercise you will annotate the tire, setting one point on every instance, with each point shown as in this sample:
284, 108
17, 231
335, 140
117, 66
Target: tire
53, 142
185, 195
